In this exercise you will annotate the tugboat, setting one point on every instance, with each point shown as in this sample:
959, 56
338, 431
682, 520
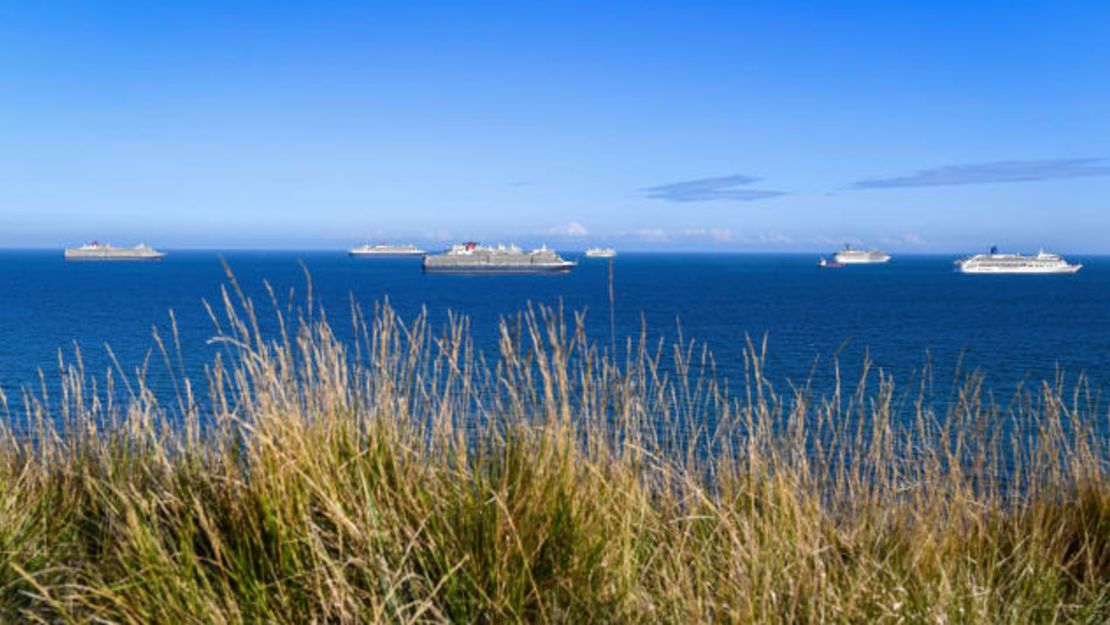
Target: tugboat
829, 264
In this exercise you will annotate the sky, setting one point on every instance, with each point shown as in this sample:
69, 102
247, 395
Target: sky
931, 127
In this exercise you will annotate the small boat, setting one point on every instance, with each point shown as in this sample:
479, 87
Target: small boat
829, 264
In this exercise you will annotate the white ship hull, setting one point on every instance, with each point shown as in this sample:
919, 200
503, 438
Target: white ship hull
858, 260
378, 254
95, 257
1019, 270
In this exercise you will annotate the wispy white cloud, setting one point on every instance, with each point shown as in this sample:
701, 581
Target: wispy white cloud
710, 189
774, 238
652, 235
911, 241
723, 235
993, 173
572, 229
438, 235
703, 236
914, 239
717, 235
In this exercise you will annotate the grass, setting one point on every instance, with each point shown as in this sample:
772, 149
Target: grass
402, 477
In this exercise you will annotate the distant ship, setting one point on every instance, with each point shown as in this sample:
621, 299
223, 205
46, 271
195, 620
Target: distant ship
473, 258
383, 249
1041, 263
601, 252
104, 251
849, 256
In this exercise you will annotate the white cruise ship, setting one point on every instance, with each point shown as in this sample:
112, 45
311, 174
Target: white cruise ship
470, 257
849, 256
601, 252
103, 251
1041, 263
385, 250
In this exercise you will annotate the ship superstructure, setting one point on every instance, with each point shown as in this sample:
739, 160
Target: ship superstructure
1040, 263
471, 257
103, 251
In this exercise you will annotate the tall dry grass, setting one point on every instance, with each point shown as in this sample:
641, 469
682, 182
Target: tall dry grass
403, 477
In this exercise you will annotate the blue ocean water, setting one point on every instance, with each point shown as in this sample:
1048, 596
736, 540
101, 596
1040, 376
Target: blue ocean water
901, 314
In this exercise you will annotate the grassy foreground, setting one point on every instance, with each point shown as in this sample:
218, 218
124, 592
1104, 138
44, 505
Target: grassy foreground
401, 477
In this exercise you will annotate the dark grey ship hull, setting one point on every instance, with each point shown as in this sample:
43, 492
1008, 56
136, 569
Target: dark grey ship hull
497, 269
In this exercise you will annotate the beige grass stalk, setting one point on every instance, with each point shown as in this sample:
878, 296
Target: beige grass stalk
401, 476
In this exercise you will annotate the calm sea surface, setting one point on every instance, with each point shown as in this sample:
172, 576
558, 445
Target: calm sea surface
913, 309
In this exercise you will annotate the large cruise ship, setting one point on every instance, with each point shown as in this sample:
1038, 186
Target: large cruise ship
473, 258
1042, 262
385, 250
849, 256
104, 251
601, 252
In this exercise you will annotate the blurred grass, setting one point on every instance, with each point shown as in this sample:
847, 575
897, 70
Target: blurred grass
402, 477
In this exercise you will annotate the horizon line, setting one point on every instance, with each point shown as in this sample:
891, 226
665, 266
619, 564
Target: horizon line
638, 250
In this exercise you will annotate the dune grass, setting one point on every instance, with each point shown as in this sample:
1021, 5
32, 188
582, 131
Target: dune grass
400, 476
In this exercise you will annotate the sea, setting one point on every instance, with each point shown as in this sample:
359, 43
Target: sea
910, 316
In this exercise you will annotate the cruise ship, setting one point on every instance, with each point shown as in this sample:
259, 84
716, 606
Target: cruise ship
385, 250
104, 251
471, 257
849, 256
601, 252
1041, 263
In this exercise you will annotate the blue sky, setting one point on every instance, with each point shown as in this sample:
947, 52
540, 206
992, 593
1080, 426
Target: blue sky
746, 126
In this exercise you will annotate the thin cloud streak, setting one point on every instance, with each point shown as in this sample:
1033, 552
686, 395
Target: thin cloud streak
993, 173
572, 230
711, 189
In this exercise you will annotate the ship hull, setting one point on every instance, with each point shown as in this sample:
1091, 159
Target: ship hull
498, 269
1024, 271
855, 260
109, 256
